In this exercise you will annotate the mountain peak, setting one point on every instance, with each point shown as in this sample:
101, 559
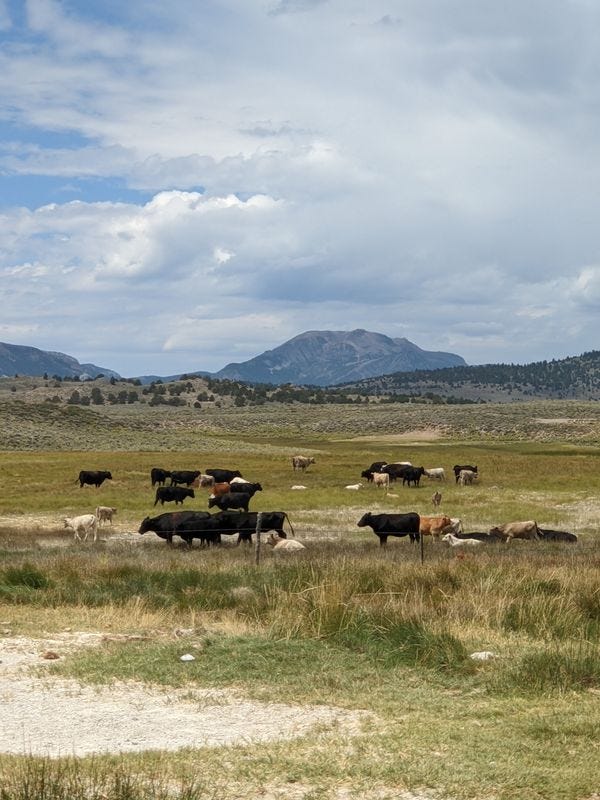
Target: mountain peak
324, 358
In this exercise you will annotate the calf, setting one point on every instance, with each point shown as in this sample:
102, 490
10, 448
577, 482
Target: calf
280, 545
168, 494
457, 468
105, 514
381, 479
436, 499
454, 541
93, 477
466, 477
302, 462
354, 486
82, 526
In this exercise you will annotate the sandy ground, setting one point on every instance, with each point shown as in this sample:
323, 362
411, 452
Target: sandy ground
47, 716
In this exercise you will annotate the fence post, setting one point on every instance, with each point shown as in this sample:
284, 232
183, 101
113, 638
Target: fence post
257, 543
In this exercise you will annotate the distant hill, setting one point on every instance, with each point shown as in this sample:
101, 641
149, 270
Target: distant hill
576, 377
325, 358
16, 359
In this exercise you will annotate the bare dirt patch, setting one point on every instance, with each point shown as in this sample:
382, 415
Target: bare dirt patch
47, 716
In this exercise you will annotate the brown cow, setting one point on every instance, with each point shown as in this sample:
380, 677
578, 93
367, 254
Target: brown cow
219, 489
434, 526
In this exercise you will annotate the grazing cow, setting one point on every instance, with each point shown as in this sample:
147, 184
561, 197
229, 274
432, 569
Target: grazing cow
280, 545
239, 500
244, 523
93, 477
220, 488
381, 479
436, 499
193, 524
412, 475
245, 488
367, 474
434, 526
302, 462
384, 525
159, 476
82, 526
436, 474
184, 476
548, 535
466, 477
105, 514
457, 468
517, 530
454, 541
354, 486
224, 475
168, 494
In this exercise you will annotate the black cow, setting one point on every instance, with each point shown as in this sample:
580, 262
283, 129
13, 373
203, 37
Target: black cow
548, 535
187, 524
231, 500
246, 488
457, 468
385, 525
168, 494
224, 475
244, 523
376, 466
159, 476
185, 476
412, 475
395, 471
93, 478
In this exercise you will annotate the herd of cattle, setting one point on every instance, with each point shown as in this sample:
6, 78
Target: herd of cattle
231, 493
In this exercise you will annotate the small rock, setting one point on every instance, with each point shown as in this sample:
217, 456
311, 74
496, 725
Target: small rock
187, 657
50, 655
483, 655
183, 632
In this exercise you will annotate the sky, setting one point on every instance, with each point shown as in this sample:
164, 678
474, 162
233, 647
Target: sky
187, 184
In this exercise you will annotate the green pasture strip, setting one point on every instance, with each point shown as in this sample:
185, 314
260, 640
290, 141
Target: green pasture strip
429, 730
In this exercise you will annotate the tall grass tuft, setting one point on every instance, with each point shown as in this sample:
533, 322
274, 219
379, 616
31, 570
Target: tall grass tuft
561, 668
47, 779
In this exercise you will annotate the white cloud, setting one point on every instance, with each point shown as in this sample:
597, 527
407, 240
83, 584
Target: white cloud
425, 171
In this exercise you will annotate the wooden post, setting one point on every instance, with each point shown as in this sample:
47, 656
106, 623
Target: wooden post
257, 543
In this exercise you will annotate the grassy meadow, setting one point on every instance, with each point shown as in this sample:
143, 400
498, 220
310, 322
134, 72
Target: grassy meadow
344, 623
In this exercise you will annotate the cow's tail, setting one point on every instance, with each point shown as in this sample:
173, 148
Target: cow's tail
290, 524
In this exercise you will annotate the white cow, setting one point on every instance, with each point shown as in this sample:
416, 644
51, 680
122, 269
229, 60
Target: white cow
466, 477
454, 541
83, 526
280, 545
436, 474
105, 514
354, 486
381, 479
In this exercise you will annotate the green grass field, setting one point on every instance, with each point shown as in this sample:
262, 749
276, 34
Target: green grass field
346, 623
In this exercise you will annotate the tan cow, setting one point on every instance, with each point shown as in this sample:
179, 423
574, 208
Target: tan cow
517, 530
302, 462
434, 526
381, 479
